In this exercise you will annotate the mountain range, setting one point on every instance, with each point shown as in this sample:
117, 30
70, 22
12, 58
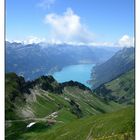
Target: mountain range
34, 60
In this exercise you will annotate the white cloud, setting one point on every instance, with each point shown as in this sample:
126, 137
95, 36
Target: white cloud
17, 41
68, 27
126, 41
105, 44
46, 4
33, 39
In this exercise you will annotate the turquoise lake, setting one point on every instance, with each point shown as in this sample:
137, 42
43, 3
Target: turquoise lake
80, 73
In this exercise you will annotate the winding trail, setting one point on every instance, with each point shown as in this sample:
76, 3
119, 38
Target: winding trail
32, 119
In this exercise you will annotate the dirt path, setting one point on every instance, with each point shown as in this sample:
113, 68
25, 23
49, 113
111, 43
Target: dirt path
89, 137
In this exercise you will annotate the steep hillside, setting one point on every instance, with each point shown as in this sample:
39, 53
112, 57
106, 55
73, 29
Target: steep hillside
118, 64
121, 89
14, 94
44, 59
47, 93
48, 103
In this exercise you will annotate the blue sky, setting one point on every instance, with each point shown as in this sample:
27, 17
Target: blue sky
85, 21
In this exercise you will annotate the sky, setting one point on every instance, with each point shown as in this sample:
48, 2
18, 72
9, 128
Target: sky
93, 22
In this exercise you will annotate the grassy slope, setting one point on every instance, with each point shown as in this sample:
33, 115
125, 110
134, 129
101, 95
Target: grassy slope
90, 103
70, 105
46, 103
120, 89
111, 126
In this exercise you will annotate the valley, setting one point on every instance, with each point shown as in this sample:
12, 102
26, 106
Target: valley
78, 100
34, 60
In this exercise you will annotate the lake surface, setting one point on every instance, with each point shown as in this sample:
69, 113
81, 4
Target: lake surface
80, 73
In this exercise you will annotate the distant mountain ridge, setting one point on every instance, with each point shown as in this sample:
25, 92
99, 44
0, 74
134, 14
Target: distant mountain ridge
121, 62
34, 60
